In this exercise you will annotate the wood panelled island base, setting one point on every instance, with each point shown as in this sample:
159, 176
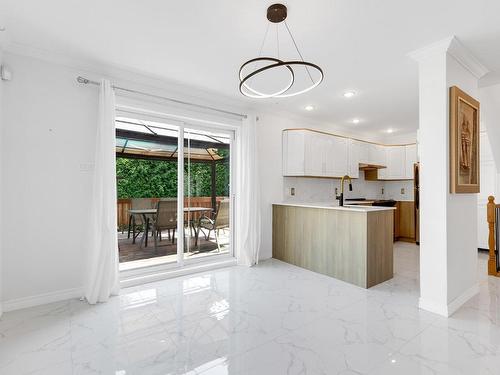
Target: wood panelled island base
353, 244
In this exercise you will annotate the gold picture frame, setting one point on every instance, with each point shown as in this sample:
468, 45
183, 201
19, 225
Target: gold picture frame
464, 142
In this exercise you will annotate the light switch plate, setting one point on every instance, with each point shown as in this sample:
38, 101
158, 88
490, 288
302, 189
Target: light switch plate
292, 191
5, 73
402, 191
86, 167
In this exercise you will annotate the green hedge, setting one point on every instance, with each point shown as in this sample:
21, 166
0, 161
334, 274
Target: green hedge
138, 178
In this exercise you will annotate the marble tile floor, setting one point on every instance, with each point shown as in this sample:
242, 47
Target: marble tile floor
271, 319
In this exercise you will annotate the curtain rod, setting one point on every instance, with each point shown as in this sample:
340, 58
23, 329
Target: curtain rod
86, 81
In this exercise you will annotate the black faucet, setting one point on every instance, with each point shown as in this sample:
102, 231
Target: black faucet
340, 197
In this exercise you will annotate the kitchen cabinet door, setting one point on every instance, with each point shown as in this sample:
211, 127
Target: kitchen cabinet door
407, 221
315, 160
376, 154
411, 159
337, 156
396, 163
383, 160
354, 157
363, 151
294, 153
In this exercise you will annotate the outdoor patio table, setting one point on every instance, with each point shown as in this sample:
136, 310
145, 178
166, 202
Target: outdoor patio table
146, 213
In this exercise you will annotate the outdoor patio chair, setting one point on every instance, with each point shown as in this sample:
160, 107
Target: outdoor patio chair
135, 220
219, 221
165, 218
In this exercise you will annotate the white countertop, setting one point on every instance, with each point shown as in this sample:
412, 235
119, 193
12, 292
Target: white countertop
333, 206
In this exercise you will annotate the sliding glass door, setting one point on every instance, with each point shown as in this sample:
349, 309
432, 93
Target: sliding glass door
207, 192
158, 161
147, 188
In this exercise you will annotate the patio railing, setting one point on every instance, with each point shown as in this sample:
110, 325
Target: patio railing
123, 205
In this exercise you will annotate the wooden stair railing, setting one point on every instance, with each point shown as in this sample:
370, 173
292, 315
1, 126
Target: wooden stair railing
493, 213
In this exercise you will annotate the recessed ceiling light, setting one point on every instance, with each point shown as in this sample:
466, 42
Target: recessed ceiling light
309, 107
356, 121
2, 28
349, 94
390, 130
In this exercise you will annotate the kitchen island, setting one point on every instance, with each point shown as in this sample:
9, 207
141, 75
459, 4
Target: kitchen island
350, 243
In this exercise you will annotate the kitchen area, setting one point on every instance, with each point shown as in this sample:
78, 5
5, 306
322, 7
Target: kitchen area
379, 202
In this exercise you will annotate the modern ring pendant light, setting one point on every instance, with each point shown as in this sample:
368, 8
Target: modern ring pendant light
277, 13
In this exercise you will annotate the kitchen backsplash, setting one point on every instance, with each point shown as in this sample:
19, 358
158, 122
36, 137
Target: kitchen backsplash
323, 189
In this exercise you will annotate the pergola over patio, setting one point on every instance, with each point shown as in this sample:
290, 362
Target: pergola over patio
139, 139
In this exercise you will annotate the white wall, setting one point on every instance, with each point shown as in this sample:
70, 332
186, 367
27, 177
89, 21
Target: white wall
49, 127
489, 98
392, 190
323, 190
489, 186
490, 116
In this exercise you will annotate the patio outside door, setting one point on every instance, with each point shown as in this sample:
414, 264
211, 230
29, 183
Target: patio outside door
207, 193
172, 209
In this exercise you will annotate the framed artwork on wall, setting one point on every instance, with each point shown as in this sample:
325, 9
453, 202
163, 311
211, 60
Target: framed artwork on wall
464, 142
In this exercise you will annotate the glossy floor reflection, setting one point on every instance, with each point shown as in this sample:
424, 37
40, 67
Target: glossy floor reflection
269, 319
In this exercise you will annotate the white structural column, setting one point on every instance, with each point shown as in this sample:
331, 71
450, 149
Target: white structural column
448, 222
1, 180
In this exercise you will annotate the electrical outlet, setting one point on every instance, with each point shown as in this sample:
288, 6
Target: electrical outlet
336, 191
402, 191
382, 191
292, 191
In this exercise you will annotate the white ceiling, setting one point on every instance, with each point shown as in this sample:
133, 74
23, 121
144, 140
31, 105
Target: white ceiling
360, 44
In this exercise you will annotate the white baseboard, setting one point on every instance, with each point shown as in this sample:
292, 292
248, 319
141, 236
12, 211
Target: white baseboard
127, 281
461, 299
433, 307
448, 309
42, 299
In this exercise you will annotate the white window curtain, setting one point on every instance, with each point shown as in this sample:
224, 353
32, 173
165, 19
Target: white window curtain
102, 274
248, 237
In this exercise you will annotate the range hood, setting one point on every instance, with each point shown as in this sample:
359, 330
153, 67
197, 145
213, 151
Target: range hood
370, 167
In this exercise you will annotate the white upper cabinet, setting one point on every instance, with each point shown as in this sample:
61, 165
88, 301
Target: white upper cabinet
315, 154
355, 150
384, 172
337, 156
411, 159
315, 149
363, 151
294, 152
399, 162
396, 162
376, 154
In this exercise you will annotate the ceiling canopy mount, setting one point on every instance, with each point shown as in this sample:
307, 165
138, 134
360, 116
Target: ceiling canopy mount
276, 13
